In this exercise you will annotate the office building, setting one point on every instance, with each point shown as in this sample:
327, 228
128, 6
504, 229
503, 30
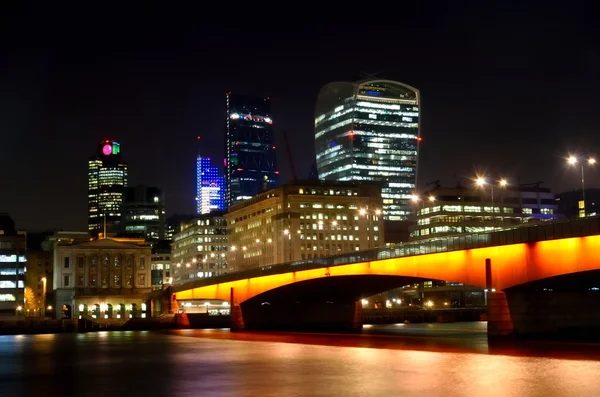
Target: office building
369, 131
13, 245
107, 178
103, 278
250, 161
199, 248
570, 204
210, 187
143, 213
161, 265
304, 221
446, 211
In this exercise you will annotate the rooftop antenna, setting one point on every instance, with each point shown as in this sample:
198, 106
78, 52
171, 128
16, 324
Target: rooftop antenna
369, 76
104, 235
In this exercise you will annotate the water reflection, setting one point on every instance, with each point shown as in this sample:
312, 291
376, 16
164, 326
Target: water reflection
220, 363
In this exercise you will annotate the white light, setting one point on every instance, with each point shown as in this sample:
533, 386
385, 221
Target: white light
234, 116
225, 303
268, 120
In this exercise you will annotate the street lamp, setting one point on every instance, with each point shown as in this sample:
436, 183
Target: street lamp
573, 160
482, 182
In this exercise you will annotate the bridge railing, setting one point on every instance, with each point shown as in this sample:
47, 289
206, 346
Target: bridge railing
538, 231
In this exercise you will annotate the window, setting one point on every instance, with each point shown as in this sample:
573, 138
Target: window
7, 298
66, 281
80, 260
80, 280
67, 262
142, 265
141, 280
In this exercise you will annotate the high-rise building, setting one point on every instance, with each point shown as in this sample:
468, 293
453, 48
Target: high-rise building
107, 178
210, 188
250, 162
369, 131
144, 213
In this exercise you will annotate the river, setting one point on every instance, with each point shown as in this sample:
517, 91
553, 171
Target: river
389, 360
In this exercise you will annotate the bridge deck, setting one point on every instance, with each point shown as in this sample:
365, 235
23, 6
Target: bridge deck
524, 234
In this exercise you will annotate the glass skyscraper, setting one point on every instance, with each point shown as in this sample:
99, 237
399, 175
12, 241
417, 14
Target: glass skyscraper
209, 187
107, 179
250, 162
369, 131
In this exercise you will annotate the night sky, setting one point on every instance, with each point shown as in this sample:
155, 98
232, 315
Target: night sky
505, 89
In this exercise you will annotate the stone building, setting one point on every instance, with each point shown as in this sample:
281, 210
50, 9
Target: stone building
105, 278
304, 221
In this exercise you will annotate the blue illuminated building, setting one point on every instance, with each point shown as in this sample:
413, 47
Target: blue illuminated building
209, 187
250, 163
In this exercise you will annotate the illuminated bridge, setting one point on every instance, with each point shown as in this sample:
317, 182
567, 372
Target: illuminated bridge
541, 279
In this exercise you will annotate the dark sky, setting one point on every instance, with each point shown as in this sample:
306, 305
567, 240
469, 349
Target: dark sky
505, 89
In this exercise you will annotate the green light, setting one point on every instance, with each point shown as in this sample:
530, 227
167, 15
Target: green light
116, 148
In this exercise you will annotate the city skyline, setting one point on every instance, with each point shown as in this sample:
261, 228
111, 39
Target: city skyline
488, 103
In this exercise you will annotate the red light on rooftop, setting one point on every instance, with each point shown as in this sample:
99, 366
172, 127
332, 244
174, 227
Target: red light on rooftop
419, 139
240, 169
277, 172
351, 133
273, 147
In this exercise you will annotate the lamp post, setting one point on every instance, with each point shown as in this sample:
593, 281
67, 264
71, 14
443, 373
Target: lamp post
370, 218
287, 233
44, 293
573, 160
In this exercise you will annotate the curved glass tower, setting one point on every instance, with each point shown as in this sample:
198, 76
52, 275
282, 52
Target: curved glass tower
369, 131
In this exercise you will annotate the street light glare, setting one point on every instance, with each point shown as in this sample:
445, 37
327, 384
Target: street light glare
480, 181
591, 161
503, 182
414, 198
432, 198
572, 160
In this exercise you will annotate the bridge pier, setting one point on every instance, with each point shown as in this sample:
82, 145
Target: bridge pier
237, 317
500, 323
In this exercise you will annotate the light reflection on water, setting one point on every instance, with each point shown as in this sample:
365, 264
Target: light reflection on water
218, 363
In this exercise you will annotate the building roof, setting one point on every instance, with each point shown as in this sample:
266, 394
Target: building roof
107, 243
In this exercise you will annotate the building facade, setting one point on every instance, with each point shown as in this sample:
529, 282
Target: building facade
161, 275
304, 221
105, 278
250, 161
107, 179
143, 213
210, 187
446, 211
199, 248
13, 245
571, 204
369, 131
38, 282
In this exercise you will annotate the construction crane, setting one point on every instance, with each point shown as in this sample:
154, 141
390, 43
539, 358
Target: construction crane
290, 157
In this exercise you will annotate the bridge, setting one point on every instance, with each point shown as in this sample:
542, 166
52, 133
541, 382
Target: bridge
540, 279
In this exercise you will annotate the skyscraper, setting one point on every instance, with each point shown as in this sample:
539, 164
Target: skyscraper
369, 131
107, 179
250, 162
209, 187
143, 213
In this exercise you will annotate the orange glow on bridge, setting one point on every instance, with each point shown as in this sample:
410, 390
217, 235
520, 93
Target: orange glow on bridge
511, 265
